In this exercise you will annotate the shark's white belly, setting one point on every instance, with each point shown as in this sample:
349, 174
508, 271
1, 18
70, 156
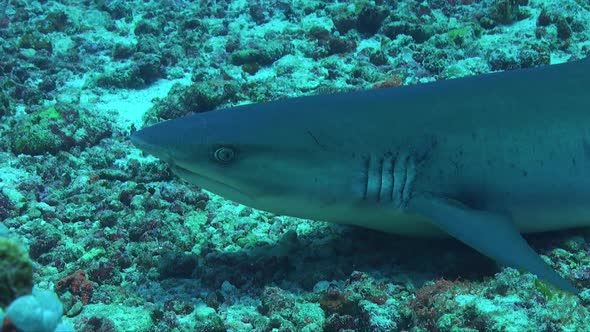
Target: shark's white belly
528, 218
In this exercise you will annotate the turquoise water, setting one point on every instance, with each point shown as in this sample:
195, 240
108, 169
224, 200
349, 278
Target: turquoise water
119, 243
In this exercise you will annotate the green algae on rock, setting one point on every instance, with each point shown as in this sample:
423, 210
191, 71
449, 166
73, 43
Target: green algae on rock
16, 271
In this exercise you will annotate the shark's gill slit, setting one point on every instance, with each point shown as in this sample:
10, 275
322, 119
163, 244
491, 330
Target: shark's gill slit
400, 174
387, 179
373, 179
379, 179
365, 178
410, 175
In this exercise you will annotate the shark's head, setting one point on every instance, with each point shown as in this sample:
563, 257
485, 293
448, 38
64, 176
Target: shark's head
251, 155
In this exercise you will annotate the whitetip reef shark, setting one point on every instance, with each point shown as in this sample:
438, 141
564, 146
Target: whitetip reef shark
482, 158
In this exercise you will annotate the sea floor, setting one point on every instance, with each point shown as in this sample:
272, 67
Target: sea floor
128, 246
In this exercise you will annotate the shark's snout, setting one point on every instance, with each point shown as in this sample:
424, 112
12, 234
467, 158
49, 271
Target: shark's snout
139, 140
148, 143
135, 139
171, 138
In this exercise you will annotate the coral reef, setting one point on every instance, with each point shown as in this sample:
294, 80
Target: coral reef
128, 246
16, 276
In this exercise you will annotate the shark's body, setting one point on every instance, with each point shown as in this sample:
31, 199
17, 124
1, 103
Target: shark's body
478, 158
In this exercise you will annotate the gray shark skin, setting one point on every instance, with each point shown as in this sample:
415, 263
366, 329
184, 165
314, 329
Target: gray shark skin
481, 158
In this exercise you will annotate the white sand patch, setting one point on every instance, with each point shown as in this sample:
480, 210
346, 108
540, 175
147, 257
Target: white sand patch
129, 105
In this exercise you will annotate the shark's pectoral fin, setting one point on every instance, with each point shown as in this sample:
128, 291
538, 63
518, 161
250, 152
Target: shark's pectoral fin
491, 234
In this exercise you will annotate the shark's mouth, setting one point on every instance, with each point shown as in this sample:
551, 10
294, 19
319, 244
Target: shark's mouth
212, 185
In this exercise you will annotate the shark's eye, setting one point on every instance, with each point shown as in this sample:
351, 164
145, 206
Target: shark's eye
224, 154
